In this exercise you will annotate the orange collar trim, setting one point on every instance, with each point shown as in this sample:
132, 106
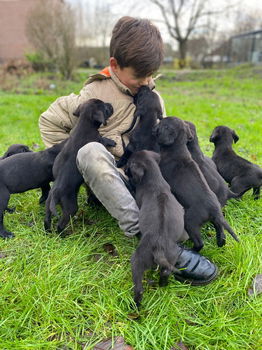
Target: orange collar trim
105, 72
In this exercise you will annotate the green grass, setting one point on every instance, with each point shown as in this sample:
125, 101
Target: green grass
70, 293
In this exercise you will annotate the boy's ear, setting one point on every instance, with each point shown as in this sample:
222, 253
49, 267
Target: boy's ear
113, 64
235, 136
77, 111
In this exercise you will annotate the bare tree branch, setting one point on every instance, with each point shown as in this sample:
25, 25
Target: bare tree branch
186, 16
51, 29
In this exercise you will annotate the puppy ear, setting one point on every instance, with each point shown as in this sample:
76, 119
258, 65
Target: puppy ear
234, 135
6, 155
99, 117
214, 136
136, 173
77, 111
189, 134
140, 110
155, 156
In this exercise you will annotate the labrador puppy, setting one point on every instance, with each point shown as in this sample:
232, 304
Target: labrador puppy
161, 220
207, 166
68, 179
15, 149
25, 171
188, 183
241, 174
149, 110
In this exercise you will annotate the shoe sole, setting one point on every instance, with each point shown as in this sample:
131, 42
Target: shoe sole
198, 282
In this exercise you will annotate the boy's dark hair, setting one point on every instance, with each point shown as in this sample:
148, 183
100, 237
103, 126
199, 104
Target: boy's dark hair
137, 43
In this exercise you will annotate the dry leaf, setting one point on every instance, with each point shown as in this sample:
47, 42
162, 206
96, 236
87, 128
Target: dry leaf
110, 249
179, 346
256, 286
35, 146
119, 344
133, 316
3, 255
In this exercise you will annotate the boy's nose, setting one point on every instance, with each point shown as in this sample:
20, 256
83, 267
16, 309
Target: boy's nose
144, 82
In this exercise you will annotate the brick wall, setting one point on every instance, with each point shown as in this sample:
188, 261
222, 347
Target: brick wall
13, 40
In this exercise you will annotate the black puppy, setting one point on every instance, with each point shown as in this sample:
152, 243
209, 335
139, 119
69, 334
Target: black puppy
148, 109
68, 179
188, 183
15, 149
25, 171
161, 220
241, 174
207, 166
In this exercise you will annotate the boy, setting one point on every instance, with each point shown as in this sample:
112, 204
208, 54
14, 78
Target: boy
136, 52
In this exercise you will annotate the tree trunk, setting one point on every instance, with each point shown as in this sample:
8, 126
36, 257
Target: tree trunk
182, 53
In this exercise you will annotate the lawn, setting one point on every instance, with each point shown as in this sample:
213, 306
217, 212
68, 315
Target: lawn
73, 292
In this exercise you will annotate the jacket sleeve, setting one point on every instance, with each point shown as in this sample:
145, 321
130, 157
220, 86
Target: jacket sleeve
58, 120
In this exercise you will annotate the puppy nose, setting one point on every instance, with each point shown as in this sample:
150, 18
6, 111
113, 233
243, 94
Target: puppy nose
109, 109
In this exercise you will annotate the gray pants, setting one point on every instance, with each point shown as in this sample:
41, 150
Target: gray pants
99, 171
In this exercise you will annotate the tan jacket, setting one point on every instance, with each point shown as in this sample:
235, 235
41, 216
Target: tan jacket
56, 123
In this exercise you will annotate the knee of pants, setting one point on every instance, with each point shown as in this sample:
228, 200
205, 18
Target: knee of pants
92, 156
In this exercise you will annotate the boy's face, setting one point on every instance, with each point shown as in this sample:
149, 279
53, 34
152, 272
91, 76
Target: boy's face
128, 77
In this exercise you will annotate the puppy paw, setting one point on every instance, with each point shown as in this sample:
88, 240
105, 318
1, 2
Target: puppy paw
121, 162
62, 231
221, 242
10, 210
111, 143
47, 226
7, 234
163, 281
197, 248
42, 199
108, 142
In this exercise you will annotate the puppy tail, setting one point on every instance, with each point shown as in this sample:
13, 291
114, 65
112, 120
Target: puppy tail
52, 205
231, 195
161, 260
229, 229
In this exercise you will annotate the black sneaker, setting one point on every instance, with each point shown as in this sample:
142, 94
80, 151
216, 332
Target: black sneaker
194, 268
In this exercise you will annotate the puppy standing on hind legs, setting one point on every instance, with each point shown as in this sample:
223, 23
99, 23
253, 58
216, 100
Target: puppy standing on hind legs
160, 220
149, 110
68, 179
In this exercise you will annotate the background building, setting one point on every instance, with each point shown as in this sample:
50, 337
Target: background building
246, 47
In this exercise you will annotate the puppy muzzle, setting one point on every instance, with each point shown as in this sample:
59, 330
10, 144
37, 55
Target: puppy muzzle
109, 110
